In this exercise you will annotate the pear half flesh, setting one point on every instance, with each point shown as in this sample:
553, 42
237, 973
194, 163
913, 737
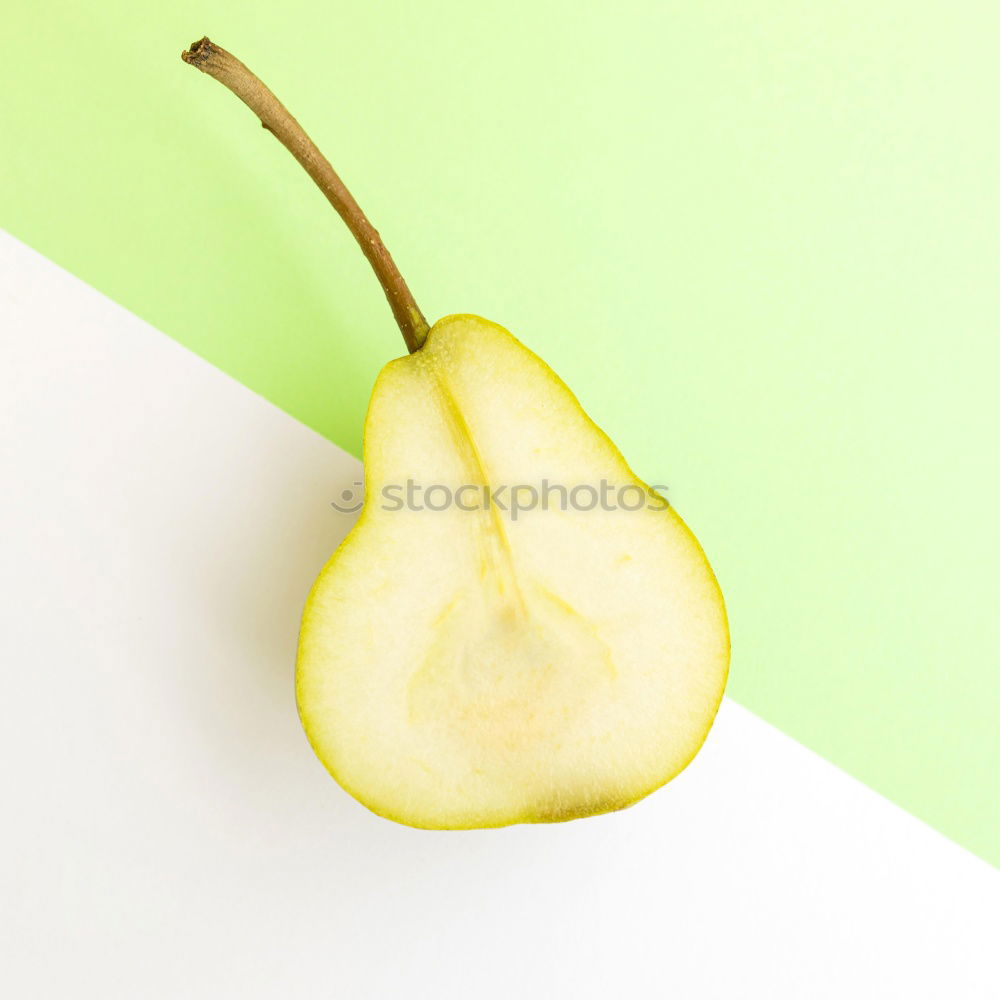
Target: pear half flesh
476, 667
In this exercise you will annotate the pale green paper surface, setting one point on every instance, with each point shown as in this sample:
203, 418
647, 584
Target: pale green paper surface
760, 241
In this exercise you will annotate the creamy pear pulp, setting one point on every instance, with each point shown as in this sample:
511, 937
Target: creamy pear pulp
466, 667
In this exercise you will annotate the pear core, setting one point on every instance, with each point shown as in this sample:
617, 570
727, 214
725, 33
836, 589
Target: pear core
465, 668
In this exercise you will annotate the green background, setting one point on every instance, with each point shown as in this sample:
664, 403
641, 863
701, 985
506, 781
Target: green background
759, 240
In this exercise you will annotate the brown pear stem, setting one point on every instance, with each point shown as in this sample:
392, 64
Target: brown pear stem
274, 116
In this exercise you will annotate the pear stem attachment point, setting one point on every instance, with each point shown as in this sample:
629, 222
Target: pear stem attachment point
275, 117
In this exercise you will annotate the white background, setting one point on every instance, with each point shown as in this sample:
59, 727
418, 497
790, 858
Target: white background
166, 831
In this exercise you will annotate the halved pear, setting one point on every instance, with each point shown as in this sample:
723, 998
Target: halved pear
472, 668
517, 629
